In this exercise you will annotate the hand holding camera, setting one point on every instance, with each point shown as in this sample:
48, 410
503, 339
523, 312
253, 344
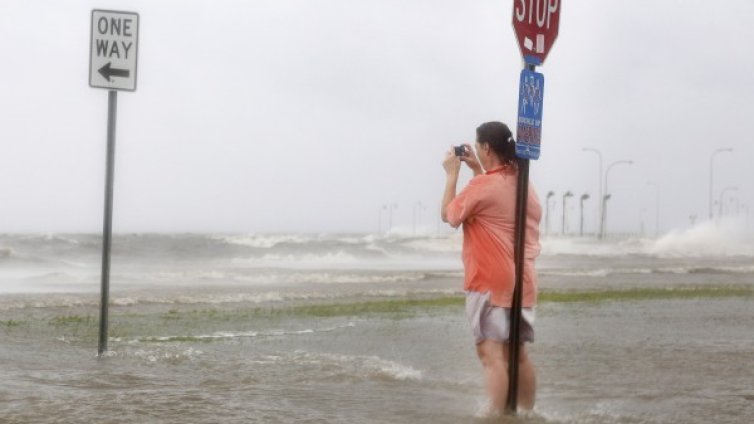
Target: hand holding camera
462, 153
465, 154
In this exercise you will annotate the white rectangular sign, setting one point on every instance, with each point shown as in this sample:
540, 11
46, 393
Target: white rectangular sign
113, 50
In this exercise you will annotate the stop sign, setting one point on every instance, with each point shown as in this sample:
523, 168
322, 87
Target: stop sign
536, 24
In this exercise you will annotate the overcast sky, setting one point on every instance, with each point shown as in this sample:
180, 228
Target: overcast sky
307, 115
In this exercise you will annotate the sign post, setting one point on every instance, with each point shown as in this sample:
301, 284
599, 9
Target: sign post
535, 23
113, 55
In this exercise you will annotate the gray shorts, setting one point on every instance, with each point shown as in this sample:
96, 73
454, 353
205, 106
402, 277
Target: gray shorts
490, 322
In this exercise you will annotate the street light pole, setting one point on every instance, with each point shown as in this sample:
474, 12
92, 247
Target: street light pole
641, 221
600, 193
603, 225
722, 195
566, 195
605, 198
711, 169
657, 207
584, 196
547, 212
392, 207
379, 213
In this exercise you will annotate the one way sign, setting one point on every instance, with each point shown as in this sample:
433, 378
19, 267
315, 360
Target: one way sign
114, 50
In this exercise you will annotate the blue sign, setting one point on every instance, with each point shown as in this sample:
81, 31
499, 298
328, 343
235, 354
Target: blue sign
530, 99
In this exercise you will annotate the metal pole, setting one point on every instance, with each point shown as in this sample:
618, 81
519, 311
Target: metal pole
390, 217
547, 212
605, 198
522, 197
711, 168
641, 221
519, 255
563, 225
603, 223
722, 195
581, 225
112, 106
379, 220
600, 193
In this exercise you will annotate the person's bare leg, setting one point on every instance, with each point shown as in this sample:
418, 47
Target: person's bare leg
495, 372
527, 378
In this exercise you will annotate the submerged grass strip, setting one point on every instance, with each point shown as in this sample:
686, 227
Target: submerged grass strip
405, 307
708, 292
72, 319
402, 306
397, 308
10, 323
186, 322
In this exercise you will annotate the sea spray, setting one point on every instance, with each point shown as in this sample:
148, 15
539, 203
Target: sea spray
705, 240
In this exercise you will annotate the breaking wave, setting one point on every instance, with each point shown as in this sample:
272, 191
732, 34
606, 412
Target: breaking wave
702, 241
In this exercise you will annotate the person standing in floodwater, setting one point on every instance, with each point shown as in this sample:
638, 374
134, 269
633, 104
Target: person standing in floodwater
487, 209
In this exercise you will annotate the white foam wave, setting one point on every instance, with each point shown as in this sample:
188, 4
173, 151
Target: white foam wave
601, 413
220, 335
592, 247
293, 261
325, 278
160, 354
55, 238
274, 277
702, 241
354, 240
445, 244
262, 241
361, 366
403, 293
576, 272
600, 272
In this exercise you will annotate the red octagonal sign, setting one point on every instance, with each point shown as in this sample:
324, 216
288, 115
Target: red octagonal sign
536, 24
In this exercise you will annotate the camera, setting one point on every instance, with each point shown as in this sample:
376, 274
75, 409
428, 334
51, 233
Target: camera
460, 150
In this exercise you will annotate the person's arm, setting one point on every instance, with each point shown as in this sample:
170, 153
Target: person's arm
452, 165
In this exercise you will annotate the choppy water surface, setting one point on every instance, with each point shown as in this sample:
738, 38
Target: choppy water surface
342, 329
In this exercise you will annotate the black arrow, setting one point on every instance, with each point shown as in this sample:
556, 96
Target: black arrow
107, 71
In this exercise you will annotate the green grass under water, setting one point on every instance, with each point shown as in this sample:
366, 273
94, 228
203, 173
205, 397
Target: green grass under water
402, 306
128, 324
399, 306
704, 292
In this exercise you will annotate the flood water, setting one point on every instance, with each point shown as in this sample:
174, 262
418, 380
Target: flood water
355, 328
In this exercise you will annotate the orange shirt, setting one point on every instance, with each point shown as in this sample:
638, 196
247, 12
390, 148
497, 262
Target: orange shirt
487, 209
